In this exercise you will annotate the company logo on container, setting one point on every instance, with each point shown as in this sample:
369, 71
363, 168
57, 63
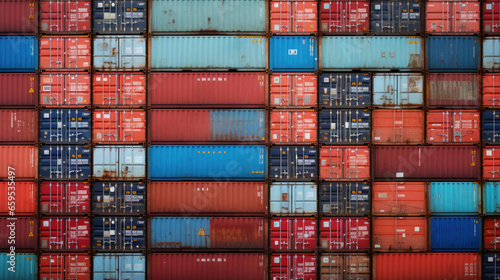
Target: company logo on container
292, 52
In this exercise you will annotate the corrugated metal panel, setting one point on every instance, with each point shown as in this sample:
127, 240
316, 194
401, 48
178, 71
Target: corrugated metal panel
207, 162
119, 126
491, 163
293, 126
65, 16
452, 54
293, 89
124, 16
348, 198
118, 198
19, 54
293, 17
457, 127
491, 198
454, 198
293, 53
65, 266
453, 17
59, 126
21, 230
345, 233
20, 90
449, 90
65, 53
64, 234
491, 53
293, 266
395, 17
119, 162
118, 233
208, 16
399, 234
119, 266
398, 90
19, 16
293, 162
491, 17
64, 198
371, 53
18, 125
491, 90
345, 266
399, 198
491, 126
21, 160
65, 162
344, 126
119, 53
293, 198
344, 17
173, 53
491, 231
64, 89
491, 266
344, 163
293, 233
455, 234
345, 90
26, 266
26, 198
119, 89
398, 126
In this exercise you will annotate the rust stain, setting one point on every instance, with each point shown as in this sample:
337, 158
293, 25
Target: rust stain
414, 62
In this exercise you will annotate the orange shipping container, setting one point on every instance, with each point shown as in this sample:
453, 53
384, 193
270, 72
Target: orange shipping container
294, 17
119, 89
454, 127
343, 163
119, 126
25, 194
294, 89
453, 17
64, 89
399, 234
398, 198
398, 126
65, 53
491, 90
18, 162
294, 127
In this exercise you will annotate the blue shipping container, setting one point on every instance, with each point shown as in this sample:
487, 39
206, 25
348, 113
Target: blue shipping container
65, 162
124, 16
293, 198
18, 54
395, 17
452, 53
344, 126
118, 233
118, 198
344, 198
345, 90
207, 162
491, 53
293, 53
293, 163
25, 266
491, 126
123, 53
491, 198
65, 126
398, 90
455, 234
119, 266
491, 266
454, 198
119, 162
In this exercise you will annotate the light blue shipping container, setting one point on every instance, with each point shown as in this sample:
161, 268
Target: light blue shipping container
18, 53
293, 198
491, 53
119, 266
345, 53
208, 15
120, 53
455, 234
206, 53
207, 162
25, 267
452, 53
293, 53
119, 162
491, 198
398, 90
454, 198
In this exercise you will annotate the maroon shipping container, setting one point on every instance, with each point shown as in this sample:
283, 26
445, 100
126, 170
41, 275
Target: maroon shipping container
65, 16
342, 16
118, 89
189, 90
453, 127
65, 266
18, 126
453, 90
453, 17
428, 162
64, 198
399, 234
399, 198
293, 266
293, 17
293, 89
119, 126
344, 163
398, 126
188, 198
64, 234
491, 89
491, 17
18, 162
18, 90
346, 233
25, 194
339, 266
202, 266
18, 16
65, 53
293, 234
64, 89
293, 126
19, 232
491, 163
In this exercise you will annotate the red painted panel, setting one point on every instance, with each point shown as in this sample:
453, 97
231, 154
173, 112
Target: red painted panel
18, 126
338, 266
453, 90
25, 198
19, 16
344, 163
20, 160
119, 89
453, 127
491, 233
64, 198
398, 198
349, 233
399, 233
119, 126
293, 266
491, 17
453, 17
65, 266
398, 126
294, 89
65, 53
293, 17
293, 234
65, 16
64, 89
344, 17
20, 232
18, 90
294, 126
491, 89
491, 163
64, 233
240, 232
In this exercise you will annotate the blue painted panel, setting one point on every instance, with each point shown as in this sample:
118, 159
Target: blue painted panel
491, 266
293, 53
344, 126
124, 16
398, 90
341, 90
178, 232
491, 126
452, 53
455, 234
118, 233
118, 198
18, 54
119, 266
344, 198
454, 198
65, 126
125, 162
293, 198
491, 198
395, 17
491, 53
26, 267
242, 125
293, 162
119, 53
65, 162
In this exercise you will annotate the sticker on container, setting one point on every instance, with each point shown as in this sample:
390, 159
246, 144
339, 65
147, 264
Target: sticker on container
327, 6
490, 259
417, 229
488, 6
326, 224
275, 136
326, 260
323, 162
99, 5
346, 124
45, 223
377, 246
404, 234
377, 7
46, 152
377, 138
401, 195
276, 27
106, 116
276, 224
276, 260
308, 135
489, 152
333, 126
292, 52
46, 88
276, 242
46, 115
400, 174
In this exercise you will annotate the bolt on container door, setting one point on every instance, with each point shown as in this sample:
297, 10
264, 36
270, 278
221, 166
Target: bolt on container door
345, 266
20, 233
65, 89
20, 90
491, 266
299, 127
119, 126
491, 234
293, 234
293, 198
398, 90
453, 90
395, 17
65, 16
491, 198
454, 198
398, 198
125, 16
65, 53
452, 54
119, 266
64, 234
350, 17
112, 89
119, 162
18, 17
455, 233
344, 126
293, 53
491, 163
293, 266
119, 53
118, 233
26, 266
118, 198
65, 162
491, 53
398, 126
19, 54
18, 126
399, 234
65, 266
337, 90
455, 127
64, 198
293, 163
344, 198
59, 126
21, 161
453, 17
491, 126
293, 89
491, 90
491, 17
340, 163
26, 194
293, 17
350, 233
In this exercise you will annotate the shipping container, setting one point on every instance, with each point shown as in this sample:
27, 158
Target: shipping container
454, 198
341, 163
293, 90
491, 54
119, 126
65, 16
125, 16
399, 198
19, 233
64, 266
206, 125
233, 16
398, 90
491, 231
120, 266
490, 127
119, 53
428, 266
453, 17
118, 233
452, 53
293, 234
395, 17
491, 17
19, 54
491, 266
293, 266
338, 90
207, 90
18, 126
293, 163
25, 266
207, 162
58, 126
293, 126
293, 53
407, 234
454, 127
26, 199
345, 198
340, 16
398, 126
205, 198
70, 89
67, 162
65, 53
197, 266
384, 53
207, 233
453, 90
293, 17
455, 234
293, 198
491, 198
118, 198
349, 266
429, 162
349, 233
18, 162
491, 163
20, 90
58, 234
64, 198
119, 162
112, 89
345, 126
173, 53
18, 17
491, 90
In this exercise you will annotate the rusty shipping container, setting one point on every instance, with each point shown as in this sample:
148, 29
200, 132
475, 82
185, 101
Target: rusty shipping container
349, 17
19, 90
26, 198
71, 89
491, 90
293, 234
18, 16
453, 17
399, 198
398, 90
337, 266
119, 126
408, 234
19, 162
293, 17
293, 266
18, 126
344, 163
19, 232
56, 234
65, 16
398, 126
491, 16
345, 233
293, 89
64, 198
453, 90
293, 126
119, 89
64, 266
491, 234
65, 53
453, 127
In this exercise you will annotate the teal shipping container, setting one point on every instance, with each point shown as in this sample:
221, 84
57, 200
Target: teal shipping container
18, 54
491, 53
454, 198
24, 268
119, 266
491, 198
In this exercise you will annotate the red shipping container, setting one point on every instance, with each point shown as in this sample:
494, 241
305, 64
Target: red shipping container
18, 162
294, 89
453, 17
189, 90
65, 16
64, 234
65, 53
294, 127
65, 266
338, 266
18, 16
454, 127
19, 232
64, 89
344, 163
64, 198
428, 266
491, 234
491, 90
188, 198
449, 90
293, 266
293, 234
342, 16
398, 126
220, 266
491, 17
399, 234
18, 90
398, 198
119, 89
491, 163
119, 126
294, 17
347, 233
26, 198
18, 126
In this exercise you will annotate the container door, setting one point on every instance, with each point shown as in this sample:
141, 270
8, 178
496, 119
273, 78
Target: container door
132, 162
106, 52
133, 90
132, 53
52, 52
281, 198
305, 234
132, 266
491, 198
106, 162
304, 198
281, 234
133, 16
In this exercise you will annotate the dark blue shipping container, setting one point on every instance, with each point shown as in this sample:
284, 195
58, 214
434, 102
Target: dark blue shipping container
452, 53
18, 53
491, 266
455, 234
65, 126
344, 198
293, 163
65, 162
293, 53
491, 126
344, 126
124, 16
118, 233
395, 17
118, 198
345, 90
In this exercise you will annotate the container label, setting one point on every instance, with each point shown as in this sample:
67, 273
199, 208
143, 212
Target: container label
276, 260
327, 6
276, 27
276, 80
276, 224
489, 152
99, 5
488, 6
377, 138
417, 229
400, 174
326, 224
292, 52
377, 246
276, 5
325, 260
45, 115
377, 7
308, 135
45, 223
46, 88
490, 259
